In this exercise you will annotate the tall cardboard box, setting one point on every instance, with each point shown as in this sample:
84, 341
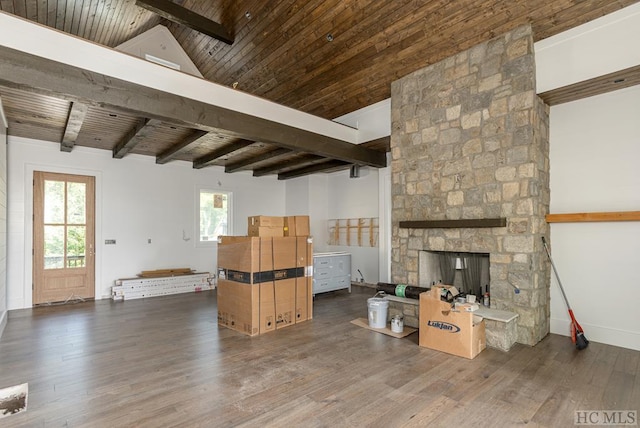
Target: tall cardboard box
277, 304
265, 283
236, 303
252, 260
443, 329
304, 284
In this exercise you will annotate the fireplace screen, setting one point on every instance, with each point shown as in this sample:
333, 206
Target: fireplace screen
469, 272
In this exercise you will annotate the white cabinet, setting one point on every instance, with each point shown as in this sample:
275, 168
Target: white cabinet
331, 271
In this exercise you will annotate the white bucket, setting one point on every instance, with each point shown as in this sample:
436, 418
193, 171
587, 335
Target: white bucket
377, 312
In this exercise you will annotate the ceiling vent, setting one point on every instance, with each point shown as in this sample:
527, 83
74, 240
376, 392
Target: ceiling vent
158, 45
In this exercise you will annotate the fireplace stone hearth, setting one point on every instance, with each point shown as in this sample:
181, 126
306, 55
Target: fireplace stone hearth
470, 142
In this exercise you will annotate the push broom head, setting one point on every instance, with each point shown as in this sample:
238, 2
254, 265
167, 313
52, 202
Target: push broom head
581, 341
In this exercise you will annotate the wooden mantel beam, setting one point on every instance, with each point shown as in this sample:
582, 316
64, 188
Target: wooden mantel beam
176, 13
454, 224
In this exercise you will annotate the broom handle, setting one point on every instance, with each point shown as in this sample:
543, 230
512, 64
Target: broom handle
555, 271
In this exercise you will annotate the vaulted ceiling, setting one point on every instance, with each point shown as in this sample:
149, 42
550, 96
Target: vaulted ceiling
324, 57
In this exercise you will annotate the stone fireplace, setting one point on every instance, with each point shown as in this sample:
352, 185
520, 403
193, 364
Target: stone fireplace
470, 142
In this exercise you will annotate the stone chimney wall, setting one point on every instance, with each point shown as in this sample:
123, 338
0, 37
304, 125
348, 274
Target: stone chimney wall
470, 140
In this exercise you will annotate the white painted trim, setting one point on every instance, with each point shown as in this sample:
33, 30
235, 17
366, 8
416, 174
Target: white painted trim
35, 39
384, 224
28, 226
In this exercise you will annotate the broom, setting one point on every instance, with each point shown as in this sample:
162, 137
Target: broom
577, 334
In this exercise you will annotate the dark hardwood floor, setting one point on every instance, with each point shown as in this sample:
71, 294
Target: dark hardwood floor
165, 362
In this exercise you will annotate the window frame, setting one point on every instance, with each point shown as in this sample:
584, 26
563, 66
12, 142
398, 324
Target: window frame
208, 189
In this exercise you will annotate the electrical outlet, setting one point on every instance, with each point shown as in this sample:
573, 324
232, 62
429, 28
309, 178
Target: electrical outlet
109, 242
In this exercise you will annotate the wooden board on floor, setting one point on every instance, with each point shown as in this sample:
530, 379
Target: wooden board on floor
406, 331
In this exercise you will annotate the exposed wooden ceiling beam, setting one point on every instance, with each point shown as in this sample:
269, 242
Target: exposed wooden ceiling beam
173, 151
271, 169
176, 13
288, 164
77, 113
139, 132
328, 166
216, 154
237, 166
596, 86
380, 144
34, 73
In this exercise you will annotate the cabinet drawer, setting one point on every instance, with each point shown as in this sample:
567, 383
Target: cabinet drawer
323, 272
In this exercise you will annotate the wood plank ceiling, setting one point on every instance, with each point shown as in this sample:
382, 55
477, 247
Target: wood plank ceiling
324, 57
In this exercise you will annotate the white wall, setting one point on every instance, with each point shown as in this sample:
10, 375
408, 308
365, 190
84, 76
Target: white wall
355, 198
372, 121
135, 200
337, 196
599, 47
594, 155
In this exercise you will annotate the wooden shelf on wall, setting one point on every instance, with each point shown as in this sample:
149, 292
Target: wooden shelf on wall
467, 223
590, 217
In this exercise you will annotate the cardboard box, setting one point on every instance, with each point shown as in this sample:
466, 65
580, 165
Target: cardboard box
304, 299
266, 221
276, 304
265, 231
304, 285
264, 283
297, 225
235, 303
239, 253
255, 309
443, 329
252, 260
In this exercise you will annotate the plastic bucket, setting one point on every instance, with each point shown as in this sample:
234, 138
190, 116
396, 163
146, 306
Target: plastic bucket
377, 312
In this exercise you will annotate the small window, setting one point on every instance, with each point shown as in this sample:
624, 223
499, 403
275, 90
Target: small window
214, 215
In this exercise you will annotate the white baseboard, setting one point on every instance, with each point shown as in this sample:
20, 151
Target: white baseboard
610, 336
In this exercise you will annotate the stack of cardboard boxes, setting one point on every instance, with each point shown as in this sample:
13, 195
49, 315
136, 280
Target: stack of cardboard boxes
265, 279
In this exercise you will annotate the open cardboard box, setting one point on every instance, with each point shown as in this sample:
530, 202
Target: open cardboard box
443, 329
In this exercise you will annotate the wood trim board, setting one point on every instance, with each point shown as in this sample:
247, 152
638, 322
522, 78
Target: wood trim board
592, 217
